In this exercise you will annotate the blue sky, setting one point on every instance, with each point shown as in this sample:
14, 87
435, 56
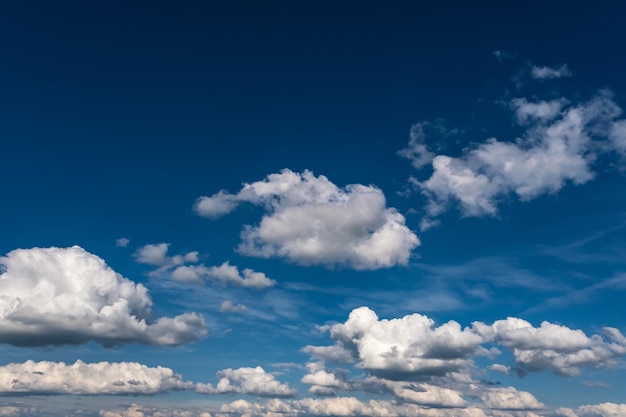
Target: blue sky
330, 209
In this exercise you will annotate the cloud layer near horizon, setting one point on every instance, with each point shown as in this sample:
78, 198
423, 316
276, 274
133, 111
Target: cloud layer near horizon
124, 378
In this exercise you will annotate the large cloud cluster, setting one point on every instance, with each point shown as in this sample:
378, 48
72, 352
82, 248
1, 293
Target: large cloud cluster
309, 220
410, 346
253, 381
556, 347
55, 296
124, 378
559, 145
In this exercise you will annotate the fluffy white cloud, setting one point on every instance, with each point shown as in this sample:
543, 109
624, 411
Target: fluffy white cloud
225, 274
508, 398
57, 296
500, 368
228, 307
426, 394
126, 378
559, 146
253, 381
555, 347
156, 255
177, 267
322, 381
309, 220
602, 410
544, 73
401, 347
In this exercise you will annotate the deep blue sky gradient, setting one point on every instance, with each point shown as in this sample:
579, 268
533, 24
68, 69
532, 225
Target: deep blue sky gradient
116, 116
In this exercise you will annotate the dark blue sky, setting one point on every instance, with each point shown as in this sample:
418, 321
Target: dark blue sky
115, 117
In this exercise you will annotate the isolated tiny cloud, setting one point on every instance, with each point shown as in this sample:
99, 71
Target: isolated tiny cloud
546, 73
123, 378
309, 220
68, 296
252, 381
228, 307
156, 255
122, 242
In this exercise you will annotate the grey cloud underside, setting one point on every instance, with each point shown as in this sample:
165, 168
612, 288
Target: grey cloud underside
309, 220
68, 296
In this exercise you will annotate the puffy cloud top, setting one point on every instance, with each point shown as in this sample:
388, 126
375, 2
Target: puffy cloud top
399, 347
254, 381
559, 146
57, 296
510, 398
409, 346
309, 220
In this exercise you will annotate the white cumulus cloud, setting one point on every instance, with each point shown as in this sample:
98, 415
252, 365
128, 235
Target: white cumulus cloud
123, 378
225, 274
309, 220
253, 381
156, 255
410, 346
57, 296
602, 410
185, 268
401, 347
556, 347
228, 307
508, 398
559, 146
